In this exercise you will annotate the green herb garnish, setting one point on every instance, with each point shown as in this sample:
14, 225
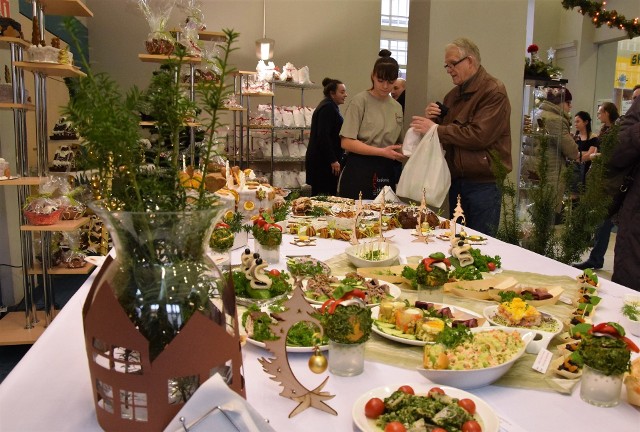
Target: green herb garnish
451, 337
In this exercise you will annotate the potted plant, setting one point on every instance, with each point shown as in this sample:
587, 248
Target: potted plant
605, 352
161, 291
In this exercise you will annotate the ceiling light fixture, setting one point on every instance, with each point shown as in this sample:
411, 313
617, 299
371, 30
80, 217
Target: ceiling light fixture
264, 46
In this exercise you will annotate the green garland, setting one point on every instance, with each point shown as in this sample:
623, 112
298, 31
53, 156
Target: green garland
601, 16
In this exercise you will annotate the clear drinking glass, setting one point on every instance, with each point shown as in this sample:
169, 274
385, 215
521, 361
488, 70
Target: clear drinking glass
346, 359
599, 389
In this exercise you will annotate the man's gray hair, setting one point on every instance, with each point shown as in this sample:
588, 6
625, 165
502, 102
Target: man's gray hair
466, 48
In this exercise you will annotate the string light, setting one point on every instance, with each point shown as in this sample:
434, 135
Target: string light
599, 16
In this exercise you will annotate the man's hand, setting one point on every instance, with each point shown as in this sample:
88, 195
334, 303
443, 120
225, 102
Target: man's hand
432, 111
421, 124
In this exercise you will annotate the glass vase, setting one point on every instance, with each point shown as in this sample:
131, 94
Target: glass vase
346, 359
270, 254
431, 294
164, 274
599, 389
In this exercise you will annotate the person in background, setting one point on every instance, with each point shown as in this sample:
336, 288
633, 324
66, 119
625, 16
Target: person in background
626, 270
476, 123
608, 114
324, 153
398, 91
554, 112
371, 134
587, 145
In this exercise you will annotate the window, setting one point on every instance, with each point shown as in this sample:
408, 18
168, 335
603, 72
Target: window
395, 13
394, 24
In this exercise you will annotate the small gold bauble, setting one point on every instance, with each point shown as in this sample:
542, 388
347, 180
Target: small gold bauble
317, 362
463, 233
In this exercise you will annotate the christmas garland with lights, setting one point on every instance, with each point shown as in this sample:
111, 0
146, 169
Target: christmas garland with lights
599, 16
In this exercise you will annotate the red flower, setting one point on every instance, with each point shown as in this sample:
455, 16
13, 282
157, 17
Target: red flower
532, 48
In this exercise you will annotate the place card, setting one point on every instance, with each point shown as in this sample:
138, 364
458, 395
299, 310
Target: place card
565, 299
542, 361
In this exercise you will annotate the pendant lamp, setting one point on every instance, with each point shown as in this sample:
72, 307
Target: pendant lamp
264, 46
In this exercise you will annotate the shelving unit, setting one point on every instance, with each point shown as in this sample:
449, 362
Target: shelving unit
243, 128
11, 332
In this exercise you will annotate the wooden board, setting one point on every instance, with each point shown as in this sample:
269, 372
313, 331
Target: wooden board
63, 225
65, 8
12, 331
64, 270
11, 105
51, 69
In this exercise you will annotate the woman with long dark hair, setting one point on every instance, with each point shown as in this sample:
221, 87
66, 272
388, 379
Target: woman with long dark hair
324, 154
371, 134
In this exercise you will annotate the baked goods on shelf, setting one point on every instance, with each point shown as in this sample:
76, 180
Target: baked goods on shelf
248, 194
64, 160
63, 130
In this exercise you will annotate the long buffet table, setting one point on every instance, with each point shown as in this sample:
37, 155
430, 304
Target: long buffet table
49, 390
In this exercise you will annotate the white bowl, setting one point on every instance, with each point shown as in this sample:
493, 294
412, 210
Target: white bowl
354, 253
474, 378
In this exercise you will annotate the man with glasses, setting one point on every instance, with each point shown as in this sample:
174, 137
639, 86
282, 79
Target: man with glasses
474, 123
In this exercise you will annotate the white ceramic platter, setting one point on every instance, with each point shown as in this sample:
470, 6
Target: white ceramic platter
458, 313
485, 415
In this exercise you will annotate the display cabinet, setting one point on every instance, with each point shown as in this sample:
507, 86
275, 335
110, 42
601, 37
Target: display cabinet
536, 142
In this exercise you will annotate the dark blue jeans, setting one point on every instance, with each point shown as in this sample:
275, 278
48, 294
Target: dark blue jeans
601, 244
480, 203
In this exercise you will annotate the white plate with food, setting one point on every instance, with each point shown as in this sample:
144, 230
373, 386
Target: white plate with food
465, 366
393, 292
290, 349
484, 414
301, 335
549, 327
306, 266
396, 335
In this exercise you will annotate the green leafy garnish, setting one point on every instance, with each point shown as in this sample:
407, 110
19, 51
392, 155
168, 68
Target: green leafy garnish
481, 261
631, 311
451, 337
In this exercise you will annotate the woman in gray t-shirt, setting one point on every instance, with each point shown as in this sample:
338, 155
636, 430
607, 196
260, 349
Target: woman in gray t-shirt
371, 133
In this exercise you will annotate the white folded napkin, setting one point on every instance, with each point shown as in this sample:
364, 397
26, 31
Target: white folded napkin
389, 196
201, 408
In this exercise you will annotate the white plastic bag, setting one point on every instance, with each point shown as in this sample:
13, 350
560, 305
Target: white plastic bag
426, 169
303, 75
411, 141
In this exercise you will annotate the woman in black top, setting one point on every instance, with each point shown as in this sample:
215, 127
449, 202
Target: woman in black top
588, 144
324, 153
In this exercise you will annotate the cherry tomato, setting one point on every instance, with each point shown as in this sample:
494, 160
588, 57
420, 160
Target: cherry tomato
468, 405
274, 272
222, 225
438, 430
630, 345
471, 426
374, 408
491, 266
605, 328
407, 389
436, 390
395, 426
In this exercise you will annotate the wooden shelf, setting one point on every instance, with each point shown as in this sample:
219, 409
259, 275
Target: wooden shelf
150, 123
63, 270
211, 36
232, 109
51, 69
11, 105
21, 181
66, 8
269, 94
12, 40
12, 331
158, 58
63, 225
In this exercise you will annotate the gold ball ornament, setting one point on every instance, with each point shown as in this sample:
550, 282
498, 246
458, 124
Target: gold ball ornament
463, 233
317, 362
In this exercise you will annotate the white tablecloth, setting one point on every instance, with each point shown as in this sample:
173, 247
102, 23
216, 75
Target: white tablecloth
50, 390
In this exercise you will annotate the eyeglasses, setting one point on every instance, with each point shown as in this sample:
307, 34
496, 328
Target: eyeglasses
451, 65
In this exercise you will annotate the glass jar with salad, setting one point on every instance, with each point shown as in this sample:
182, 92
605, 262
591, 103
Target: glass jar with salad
605, 352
